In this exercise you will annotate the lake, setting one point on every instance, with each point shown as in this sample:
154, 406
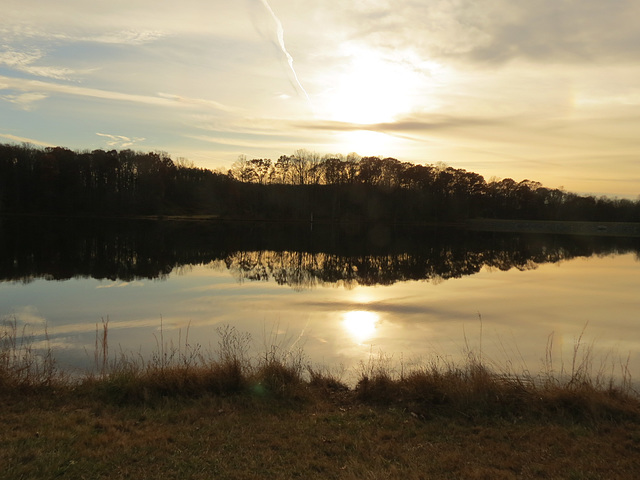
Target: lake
343, 293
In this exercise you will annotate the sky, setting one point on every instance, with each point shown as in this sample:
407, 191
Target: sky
546, 90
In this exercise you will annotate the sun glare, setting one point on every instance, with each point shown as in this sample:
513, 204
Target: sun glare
369, 89
360, 324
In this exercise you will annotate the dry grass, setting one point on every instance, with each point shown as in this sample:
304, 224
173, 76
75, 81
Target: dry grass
190, 413
187, 370
475, 387
21, 365
478, 387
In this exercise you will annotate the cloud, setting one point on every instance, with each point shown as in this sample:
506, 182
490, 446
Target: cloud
499, 31
25, 101
164, 100
412, 123
15, 138
118, 21
34, 30
25, 61
405, 306
49, 87
526, 128
120, 141
16, 59
567, 31
420, 127
120, 284
275, 144
28, 315
121, 37
199, 102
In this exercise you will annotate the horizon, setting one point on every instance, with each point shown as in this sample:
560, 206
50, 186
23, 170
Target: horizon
542, 91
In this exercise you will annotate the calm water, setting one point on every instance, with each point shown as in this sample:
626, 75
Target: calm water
342, 294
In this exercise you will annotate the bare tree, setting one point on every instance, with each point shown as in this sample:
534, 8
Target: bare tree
241, 170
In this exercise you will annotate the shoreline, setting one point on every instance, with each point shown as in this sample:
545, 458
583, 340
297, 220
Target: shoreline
561, 227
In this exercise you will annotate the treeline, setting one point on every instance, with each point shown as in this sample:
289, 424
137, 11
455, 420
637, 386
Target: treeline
296, 187
58, 180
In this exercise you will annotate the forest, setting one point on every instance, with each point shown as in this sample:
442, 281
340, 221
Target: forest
297, 187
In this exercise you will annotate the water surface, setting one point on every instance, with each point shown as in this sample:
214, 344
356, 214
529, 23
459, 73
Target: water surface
342, 293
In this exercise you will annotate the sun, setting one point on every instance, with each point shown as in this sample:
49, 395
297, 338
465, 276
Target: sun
368, 88
360, 324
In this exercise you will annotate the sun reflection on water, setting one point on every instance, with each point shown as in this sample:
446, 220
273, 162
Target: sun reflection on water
360, 324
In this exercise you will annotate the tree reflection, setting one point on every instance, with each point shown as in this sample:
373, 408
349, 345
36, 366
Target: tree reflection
292, 255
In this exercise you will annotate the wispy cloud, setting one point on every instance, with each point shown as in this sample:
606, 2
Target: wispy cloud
25, 61
418, 128
64, 89
126, 23
25, 101
120, 141
526, 128
164, 100
121, 284
428, 122
29, 316
259, 144
199, 102
17, 59
15, 138
122, 37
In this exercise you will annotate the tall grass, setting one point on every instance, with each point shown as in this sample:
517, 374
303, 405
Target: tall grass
477, 386
22, 365
472, 388
187, 369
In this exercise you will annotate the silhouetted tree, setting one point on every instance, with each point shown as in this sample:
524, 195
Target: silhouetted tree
333, 187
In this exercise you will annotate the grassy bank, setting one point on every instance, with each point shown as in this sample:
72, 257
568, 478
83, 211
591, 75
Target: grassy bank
228, 413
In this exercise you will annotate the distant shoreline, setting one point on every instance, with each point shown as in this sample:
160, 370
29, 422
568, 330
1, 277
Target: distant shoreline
561, 227
613, 229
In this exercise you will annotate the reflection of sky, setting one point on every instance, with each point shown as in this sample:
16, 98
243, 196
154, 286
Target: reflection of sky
360, 325
510, 315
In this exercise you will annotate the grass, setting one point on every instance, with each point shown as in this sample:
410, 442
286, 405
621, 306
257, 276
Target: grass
21, 365
227, 413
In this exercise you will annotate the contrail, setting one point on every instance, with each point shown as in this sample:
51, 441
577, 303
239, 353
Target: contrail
280, 33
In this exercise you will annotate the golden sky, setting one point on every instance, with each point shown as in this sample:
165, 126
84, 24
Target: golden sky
547, 90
